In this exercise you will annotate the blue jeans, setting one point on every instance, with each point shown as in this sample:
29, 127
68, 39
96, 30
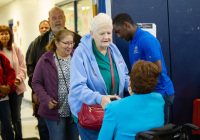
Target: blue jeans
87, 134
42, 128
62, 130
15, 108
168, 107
7, 130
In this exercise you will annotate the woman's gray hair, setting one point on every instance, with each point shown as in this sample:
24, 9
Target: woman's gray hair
100, 20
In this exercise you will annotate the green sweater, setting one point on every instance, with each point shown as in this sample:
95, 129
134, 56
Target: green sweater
104, 67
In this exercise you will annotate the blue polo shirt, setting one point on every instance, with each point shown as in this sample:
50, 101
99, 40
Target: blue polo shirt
145, 46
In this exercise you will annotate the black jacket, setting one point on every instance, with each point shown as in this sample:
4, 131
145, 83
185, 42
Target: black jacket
39, 48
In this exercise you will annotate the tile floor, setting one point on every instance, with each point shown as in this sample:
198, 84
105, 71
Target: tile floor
28, 121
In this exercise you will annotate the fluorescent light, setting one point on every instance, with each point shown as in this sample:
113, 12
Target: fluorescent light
71, 8
83, 8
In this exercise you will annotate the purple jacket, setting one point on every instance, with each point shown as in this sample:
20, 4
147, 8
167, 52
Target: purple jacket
45, 85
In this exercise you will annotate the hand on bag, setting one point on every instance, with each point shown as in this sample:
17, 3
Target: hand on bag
37, 102
105, 100
5, 90
17, 82
116, 97
113, 97
52, 104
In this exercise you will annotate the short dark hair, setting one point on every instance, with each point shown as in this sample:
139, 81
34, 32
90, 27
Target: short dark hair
42, 22
144, 77
121, 18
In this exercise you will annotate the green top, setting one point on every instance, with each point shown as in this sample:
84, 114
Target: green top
104, 67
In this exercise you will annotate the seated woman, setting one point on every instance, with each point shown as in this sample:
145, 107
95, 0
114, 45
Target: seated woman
51, 86
7, 80
90, 71
142, 111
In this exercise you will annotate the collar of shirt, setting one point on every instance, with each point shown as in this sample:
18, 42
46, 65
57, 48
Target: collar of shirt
51, 36
136, 36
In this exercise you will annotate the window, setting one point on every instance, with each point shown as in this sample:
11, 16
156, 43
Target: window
85, 15
81, 21
69, 16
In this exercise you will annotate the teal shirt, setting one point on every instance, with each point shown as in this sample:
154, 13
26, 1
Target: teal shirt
124, 118
104, 67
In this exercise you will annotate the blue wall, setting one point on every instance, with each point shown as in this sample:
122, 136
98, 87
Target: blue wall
178, 30
145, 11
101, 8
184, 21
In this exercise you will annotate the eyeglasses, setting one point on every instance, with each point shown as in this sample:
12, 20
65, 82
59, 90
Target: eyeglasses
55, 18
68, 43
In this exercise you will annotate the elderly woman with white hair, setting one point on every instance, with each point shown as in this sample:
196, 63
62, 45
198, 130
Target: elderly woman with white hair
90, 71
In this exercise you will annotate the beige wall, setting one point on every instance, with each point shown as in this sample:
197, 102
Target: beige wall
29, 13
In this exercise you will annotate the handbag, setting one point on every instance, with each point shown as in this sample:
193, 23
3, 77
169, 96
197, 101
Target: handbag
91, 116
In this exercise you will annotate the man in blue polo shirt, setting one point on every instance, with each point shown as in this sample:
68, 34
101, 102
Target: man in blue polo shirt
145, 46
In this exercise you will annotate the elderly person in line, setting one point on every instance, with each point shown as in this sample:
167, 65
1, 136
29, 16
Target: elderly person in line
142, 111
90, 74
51, 85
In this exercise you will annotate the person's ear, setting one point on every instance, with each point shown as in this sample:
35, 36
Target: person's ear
127, 25
56, 42
64, 18
91, 33
129, 83
129, 88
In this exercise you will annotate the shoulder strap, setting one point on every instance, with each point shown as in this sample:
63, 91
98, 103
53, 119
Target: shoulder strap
2, 65
112, 71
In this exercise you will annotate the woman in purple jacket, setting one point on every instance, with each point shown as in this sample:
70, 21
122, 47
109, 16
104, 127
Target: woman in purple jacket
51, 85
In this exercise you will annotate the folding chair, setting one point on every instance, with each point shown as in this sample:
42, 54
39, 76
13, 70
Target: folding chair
167, 132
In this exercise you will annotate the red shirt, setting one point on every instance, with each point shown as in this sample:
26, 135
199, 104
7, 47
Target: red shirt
8, 76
